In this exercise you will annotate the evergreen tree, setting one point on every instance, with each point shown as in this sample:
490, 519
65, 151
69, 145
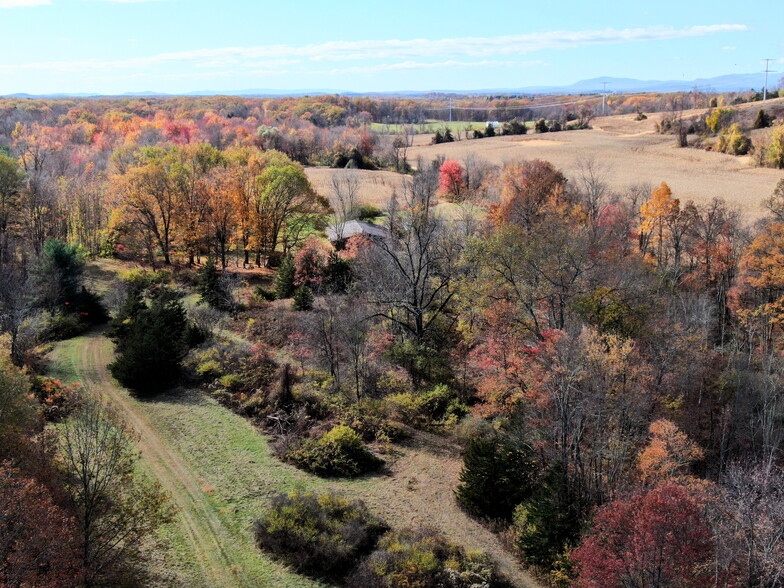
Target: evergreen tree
58, 275
284, 279
303, 298
763, 120
496, 477
213, 288
546, 526
152, 347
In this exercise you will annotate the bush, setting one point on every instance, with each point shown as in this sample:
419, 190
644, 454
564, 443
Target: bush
441, 405
368, 212
318, 535
422, 558
763, 120
719, 118
497, 476
774, 151
263, 293
547, 526
57, 400
541, 126
514, 127
340, 452
64, 326
733, 142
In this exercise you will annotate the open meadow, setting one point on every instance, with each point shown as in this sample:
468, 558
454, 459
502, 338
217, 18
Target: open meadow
628, 152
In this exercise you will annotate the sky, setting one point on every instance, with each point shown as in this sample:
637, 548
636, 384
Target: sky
179, 46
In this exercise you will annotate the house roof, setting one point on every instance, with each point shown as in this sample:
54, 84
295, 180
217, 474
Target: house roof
350, 228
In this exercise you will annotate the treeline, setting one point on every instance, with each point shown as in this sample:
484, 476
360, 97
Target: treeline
75, 511
608, 357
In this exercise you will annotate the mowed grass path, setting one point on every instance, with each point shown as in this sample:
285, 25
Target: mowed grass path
217, 468
221, 475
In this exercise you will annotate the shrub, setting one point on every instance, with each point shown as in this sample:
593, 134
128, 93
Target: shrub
263, 293
319, 535
719, 118
422, 558
514, 127
57, 400
440, 405
368, 212
497, 476
774, 152
340, 452
763, 120
541, 126
64, 326
732, 141
303, 299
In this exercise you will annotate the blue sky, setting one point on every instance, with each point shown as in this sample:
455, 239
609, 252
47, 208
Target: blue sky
115, 46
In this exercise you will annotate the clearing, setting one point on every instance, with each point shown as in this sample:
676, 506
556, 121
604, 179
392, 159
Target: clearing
220, 473
629, 152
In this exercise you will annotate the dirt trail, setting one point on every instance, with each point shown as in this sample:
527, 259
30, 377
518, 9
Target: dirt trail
419, 491
198, 520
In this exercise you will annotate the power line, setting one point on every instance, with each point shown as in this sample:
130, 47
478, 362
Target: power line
767, 71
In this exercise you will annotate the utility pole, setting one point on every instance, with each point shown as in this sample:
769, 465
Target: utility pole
450, 110
604, 98
767, 71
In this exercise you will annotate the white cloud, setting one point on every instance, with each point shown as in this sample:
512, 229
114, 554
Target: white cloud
23, 3
450, 49
409, 65
729, 48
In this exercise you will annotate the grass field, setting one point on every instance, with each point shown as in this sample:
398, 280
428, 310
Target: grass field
628, 152
221, 474
428, 127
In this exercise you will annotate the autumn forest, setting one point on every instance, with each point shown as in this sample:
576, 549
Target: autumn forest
216, 371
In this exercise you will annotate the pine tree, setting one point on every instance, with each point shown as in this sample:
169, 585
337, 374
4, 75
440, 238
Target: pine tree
213, 289
496, 477
284, 279
303, 299
152, 347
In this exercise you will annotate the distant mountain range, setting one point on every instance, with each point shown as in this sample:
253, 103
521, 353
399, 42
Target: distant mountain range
726, 83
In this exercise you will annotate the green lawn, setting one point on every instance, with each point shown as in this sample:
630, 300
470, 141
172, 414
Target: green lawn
428, 127
231, 461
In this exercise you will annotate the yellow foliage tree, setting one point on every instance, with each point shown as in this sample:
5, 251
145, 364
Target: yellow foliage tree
669, 453
655, 215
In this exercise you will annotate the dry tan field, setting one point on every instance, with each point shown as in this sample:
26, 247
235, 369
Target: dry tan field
631, 152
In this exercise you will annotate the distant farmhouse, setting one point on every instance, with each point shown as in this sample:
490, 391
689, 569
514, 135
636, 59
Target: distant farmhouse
340, 232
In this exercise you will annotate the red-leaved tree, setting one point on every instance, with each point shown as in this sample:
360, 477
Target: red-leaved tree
451, 180
38, 545
654, 539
